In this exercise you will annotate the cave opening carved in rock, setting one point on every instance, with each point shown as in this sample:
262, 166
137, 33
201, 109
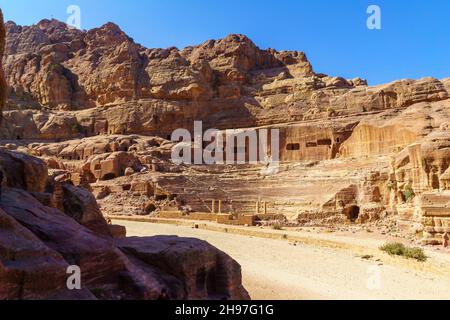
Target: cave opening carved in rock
352, 213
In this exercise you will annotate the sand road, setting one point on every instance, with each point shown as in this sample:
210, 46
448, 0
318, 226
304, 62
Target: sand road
276, 269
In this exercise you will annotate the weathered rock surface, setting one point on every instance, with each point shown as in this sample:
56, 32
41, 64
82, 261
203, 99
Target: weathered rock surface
47, 225
38, 243
100, 109
81, 205
189, 259
24, 172
66, 84
123, 87
3, 86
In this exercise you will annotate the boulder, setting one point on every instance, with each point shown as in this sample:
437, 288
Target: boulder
117, 231
38, 243
81, 205
23, 171
211, 274
29, 269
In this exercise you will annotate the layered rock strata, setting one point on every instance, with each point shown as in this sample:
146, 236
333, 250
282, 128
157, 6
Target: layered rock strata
99, 109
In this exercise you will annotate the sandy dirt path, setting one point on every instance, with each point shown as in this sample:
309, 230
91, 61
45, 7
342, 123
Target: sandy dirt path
276, 269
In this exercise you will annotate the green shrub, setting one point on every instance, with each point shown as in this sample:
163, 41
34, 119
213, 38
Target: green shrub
399, 249
408, 193
395, 249
416, 253
277, 226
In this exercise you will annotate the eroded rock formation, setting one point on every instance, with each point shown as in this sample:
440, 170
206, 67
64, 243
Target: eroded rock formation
3, 86
108, 84
38, 242
100, 110
47, 224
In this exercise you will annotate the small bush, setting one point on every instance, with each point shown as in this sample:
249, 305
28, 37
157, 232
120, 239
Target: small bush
395, 249
399, 249
408, 193
277, 226
416, 253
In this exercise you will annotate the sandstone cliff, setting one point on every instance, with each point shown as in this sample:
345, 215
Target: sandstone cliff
3, 88
126, 88
48, 224
43, 232
65, 83
99, 109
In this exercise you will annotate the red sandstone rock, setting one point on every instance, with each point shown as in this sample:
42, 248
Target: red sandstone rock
49, 241
38, 243
24, 172
147, 90
211, 274
81, 205
29, 269
227, 83
3, 89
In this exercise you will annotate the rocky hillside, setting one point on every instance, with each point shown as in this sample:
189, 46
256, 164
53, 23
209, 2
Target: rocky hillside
99, 109
65, 83
47, 225
130, 88
104, 66
3, 88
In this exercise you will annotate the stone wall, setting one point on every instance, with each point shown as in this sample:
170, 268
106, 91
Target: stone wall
435, 213
367, 140
297, 142
306, 143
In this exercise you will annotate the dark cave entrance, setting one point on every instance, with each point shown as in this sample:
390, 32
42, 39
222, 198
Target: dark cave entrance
353, 213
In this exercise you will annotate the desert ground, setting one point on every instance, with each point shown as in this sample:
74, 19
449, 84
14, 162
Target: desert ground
278, 269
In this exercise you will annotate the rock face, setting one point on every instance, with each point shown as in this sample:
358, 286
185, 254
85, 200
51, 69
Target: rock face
3, 88
67, 84
62, 67
99, 109
81, 205
100, 81
48, 225
39, 242
24, 172
211, 273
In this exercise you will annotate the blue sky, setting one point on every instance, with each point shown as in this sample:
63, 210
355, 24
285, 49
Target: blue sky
413, 42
